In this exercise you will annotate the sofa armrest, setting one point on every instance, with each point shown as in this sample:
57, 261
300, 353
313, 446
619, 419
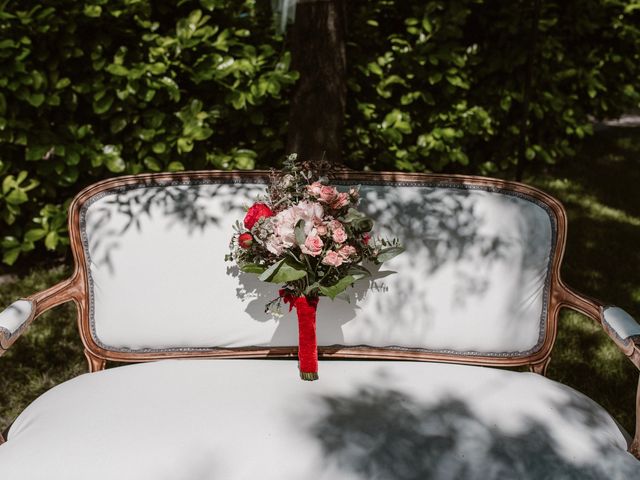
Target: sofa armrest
617, 324
18, 316
15, 319
621, 327
620, 323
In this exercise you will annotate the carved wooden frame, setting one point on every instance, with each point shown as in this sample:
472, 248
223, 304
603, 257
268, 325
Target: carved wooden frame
76, 288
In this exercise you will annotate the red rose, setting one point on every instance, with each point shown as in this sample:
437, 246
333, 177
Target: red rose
255, 213
245, 240
365, 238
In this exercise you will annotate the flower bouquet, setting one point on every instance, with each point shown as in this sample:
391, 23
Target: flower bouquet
308, 236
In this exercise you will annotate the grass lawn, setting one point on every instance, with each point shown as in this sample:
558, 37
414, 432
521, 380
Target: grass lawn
600, 191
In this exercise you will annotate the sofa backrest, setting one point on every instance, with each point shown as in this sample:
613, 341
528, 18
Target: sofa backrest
474, 283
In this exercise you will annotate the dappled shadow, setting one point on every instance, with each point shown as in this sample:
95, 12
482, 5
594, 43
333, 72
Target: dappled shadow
185, 206
464, 245
382, 433
256, 294
444, 222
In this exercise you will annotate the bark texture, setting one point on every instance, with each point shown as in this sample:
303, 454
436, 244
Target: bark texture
316, 116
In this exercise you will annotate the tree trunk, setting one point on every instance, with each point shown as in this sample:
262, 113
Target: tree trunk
523, 142
316, 115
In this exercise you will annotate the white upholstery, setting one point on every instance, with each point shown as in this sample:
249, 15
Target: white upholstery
254, 419
472, 278
15, 315
621, 322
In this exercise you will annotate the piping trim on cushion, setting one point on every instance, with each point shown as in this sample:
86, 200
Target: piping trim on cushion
232, 181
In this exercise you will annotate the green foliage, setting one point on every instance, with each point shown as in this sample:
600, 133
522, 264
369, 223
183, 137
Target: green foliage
96, 88
410, 80
332, 291
439, 85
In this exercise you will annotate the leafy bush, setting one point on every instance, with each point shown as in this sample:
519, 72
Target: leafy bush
439, 85
96, 88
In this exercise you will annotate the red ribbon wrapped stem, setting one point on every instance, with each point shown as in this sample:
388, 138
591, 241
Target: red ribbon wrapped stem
307, 342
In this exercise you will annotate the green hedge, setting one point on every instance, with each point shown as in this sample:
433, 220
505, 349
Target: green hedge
99, 88
96, 88
439, 85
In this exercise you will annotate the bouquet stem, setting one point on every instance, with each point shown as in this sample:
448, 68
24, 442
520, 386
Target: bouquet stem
307, 342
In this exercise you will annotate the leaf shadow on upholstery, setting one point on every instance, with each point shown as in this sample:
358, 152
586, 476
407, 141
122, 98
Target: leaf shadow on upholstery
257, 294
381, 433
185, 206
443, 229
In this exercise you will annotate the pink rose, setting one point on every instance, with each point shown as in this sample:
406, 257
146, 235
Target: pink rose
322, 229
312, 245
341, 200
347, 251
339, 235
332, 259
328, 194
335, 225
314, 189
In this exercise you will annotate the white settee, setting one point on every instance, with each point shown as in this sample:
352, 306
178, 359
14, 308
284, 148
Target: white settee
410, 385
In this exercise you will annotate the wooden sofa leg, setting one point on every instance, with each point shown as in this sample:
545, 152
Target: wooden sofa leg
95, 363
634, 449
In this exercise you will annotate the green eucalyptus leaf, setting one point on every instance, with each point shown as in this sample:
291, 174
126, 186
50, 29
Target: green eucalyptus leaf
264, 277
253, 268
340, 286
388, 253
283, 271
288, 272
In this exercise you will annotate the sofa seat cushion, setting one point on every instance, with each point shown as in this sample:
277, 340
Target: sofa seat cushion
250, 419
